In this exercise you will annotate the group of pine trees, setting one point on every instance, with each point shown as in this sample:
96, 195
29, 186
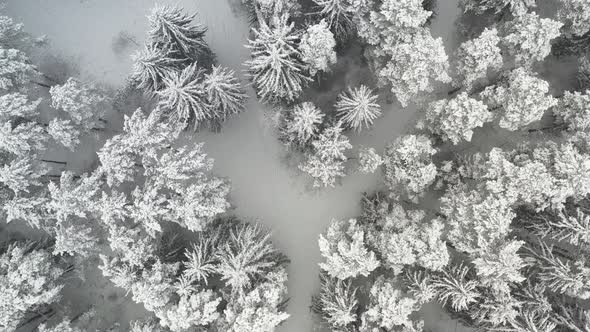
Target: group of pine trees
504, 247
137, 207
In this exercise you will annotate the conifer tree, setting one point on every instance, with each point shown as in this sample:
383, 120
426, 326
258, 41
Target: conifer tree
358, 108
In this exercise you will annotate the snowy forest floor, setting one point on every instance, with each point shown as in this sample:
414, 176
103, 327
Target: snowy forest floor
94, 39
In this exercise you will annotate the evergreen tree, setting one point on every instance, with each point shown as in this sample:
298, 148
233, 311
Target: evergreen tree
575, 15
172, 30
369, 160
455, 119
277, 68
337, 302
85, 104
523, 99
302, 123
346, 252
388, 307
357, 108
151, 65
409, 169
317, 48
478, 57
573, 109
517, 7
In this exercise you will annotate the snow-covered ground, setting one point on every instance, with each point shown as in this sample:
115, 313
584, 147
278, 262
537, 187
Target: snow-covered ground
100, 35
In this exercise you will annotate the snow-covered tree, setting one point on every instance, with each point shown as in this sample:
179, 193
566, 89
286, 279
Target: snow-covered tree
573, 109
456, 288
522, 99
369, 160
15, 69
173, 30
84, 103
185, 98
317, 48
575, 14
517, 7
302, 123
326, 162
388, 307
414, 64
277, 68
528, 37
260, 309
337, 302
332, 144
408, 166
345, 250
151, 65
224, 93
358, 108
64, 132
30, 281
325, 172
455, 119
478, 57
404, 238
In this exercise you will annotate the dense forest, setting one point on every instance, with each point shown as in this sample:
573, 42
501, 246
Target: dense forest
481, 213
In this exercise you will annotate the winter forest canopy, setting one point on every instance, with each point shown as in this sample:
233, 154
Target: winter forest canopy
429, 167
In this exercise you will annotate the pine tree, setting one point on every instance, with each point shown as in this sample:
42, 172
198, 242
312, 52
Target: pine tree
317, 48
523, 99
575, 15
331, 144
277, 70
30, 281
339, 14
325, 172
224, 93
172, 30
15, 69
337, 302
345, 250
84, 103
302, 123
478, 57
455, 287
517, 7
409, 169
528, 37
64, 132
25, 138
358, 108
573, 109
415, 63
455, 119
388, 307
185, 96
369, 160
151, 65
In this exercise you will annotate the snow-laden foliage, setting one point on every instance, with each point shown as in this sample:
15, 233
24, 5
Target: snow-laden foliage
30, 281
575, 14
528, 37
173, 30
403, 53
64, 132
345, 251
199, 96
408, 166
573, 109
478, 57
388, 307
522, 99
302, 123
369, 160
166, 192
231, 262
339, 14
404, 238
151, 65
15, 69
224, 93
337, 302
277, 69
414, 64
455, 119
455, 288
317, 48
84, 103
517, 7
326, 162
358, 108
